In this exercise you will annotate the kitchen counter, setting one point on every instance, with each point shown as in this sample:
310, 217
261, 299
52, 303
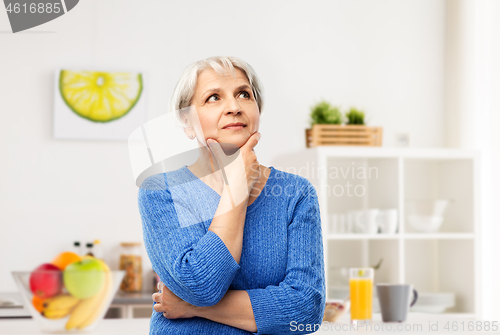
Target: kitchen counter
106, 327
342, 326
16, 309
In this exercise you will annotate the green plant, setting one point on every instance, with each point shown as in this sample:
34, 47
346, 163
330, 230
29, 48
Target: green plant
324, 113
376, 267
355, 116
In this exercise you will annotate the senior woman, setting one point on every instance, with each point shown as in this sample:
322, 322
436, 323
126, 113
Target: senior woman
237, 245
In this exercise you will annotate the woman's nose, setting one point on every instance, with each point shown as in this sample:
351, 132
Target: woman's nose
232, 107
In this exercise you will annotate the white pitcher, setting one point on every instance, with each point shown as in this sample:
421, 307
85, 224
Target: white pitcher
388, 221
366, 221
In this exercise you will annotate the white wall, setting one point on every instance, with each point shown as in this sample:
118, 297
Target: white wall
384, 56
495, 149
472, 107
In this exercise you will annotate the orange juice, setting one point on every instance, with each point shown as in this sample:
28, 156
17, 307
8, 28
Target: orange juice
361, 290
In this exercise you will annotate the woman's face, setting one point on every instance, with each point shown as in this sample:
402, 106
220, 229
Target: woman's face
220, 101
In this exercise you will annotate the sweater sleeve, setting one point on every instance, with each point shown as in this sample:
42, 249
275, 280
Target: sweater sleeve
194, 264
298, 302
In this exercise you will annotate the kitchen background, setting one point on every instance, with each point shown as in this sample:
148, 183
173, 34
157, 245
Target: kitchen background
426, 68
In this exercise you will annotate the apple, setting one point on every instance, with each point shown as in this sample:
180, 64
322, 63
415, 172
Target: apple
46, 281
84, 279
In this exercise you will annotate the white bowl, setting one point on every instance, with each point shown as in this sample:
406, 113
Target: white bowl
426, 216
425, 224
427, 207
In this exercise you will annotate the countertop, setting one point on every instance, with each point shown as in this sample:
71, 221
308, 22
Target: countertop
16, 309
105, 327
342, 326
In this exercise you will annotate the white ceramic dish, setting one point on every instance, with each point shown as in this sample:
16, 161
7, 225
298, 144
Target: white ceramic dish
426, 216
434, 302
425, 224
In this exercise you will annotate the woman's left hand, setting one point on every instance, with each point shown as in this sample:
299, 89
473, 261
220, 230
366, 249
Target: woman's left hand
171, 305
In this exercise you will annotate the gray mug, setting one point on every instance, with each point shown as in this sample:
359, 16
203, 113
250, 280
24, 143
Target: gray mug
394, 301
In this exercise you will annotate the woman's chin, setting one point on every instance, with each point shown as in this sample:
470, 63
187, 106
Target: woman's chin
238, 141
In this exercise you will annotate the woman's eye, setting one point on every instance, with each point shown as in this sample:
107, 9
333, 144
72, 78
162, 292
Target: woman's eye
247, 94
213, 95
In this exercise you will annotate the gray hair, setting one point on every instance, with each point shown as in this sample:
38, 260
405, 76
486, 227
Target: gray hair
184, 90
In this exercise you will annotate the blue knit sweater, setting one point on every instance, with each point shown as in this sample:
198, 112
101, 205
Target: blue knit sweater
281, 265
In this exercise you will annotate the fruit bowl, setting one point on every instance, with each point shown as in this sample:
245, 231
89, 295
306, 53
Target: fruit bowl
70, 301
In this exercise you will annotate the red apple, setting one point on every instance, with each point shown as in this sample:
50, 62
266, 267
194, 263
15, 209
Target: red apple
46, 281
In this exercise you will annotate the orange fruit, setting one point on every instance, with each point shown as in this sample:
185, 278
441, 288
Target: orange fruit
37, 303
65, 258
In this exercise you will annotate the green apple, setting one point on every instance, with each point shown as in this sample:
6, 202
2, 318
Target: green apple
84, 279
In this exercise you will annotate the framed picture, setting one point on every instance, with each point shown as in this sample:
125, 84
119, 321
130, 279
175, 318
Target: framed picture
98, 105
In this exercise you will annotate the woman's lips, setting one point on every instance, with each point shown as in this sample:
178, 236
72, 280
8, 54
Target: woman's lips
234, 127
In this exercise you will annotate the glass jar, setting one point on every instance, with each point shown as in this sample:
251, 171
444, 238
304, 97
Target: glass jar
131, 263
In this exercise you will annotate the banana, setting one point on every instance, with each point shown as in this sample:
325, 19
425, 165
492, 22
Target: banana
62, 301
82, 311
56, 313
88, 310
108, 288
58, 307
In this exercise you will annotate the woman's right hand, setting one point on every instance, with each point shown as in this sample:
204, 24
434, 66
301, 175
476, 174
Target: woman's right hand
242, 171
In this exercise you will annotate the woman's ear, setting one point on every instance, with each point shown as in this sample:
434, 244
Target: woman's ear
189, 132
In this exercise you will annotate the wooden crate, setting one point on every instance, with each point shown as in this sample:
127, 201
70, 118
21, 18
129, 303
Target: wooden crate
332, 134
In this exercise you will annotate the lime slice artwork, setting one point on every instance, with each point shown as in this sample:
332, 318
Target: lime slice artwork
100, 96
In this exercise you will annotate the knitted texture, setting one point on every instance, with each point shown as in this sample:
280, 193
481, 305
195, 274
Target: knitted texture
281, 265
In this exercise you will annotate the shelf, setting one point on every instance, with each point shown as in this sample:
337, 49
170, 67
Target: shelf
362, 236
352, 179
442, 265
411, 236
386, 152
439, 236
450, 315
435, 179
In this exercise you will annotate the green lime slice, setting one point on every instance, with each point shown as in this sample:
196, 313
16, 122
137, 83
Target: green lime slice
100, 96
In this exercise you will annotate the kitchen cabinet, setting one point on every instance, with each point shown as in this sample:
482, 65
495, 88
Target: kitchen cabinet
360, 178
126, 305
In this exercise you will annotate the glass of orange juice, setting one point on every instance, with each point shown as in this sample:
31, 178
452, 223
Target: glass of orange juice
361, 294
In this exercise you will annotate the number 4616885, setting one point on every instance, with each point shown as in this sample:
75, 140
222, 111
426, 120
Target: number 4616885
34, 8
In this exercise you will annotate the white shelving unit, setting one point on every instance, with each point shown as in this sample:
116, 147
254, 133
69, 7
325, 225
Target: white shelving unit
445, 261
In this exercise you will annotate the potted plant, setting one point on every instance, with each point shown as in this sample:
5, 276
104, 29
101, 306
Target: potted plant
355, 116
324, 113
327, 128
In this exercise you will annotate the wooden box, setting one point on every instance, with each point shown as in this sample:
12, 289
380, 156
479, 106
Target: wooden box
332, 134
